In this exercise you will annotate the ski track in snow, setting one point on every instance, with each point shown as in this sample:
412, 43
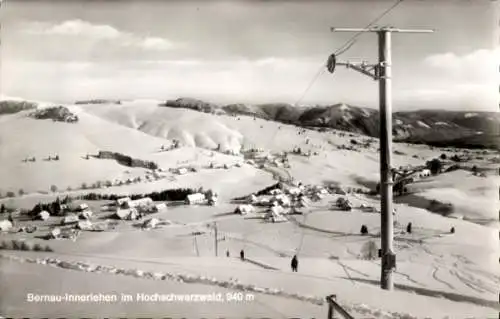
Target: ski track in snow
352, 269
434, 275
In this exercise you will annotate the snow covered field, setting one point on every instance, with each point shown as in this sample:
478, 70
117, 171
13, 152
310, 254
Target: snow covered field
439, 274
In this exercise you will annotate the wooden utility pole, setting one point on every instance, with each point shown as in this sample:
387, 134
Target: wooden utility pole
215, 240
381, 71
196, 246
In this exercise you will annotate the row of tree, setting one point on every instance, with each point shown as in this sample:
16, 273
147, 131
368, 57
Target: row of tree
177, 194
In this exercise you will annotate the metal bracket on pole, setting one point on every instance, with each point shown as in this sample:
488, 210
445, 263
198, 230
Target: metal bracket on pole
366, 69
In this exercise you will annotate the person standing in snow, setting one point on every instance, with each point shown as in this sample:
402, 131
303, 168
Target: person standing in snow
409, 228
295, 263
242, 255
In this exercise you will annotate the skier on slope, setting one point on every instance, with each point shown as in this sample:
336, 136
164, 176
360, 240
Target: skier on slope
295, 263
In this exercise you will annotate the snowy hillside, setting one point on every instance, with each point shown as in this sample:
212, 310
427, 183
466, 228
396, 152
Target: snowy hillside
447, 264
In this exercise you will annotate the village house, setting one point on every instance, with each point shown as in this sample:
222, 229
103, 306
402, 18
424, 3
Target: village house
138, 203
294, 191
44, 215
197, 198
275, 214
244, 209
120, 201
425, 173
5, 225
160, 207
283, 200
275, 191
253, 199
70, 219
150, 223
84, 225
87, 214
127, 214
55, 233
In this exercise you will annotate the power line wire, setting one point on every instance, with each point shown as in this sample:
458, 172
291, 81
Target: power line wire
351, 41
318, 74
345, 47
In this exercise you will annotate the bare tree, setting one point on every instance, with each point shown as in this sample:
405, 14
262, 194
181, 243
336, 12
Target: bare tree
369, 250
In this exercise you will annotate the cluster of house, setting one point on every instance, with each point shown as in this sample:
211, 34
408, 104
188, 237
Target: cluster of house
80, 218
128, 209
283, 201
259, 157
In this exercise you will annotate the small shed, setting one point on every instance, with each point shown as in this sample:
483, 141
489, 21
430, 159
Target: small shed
70, 219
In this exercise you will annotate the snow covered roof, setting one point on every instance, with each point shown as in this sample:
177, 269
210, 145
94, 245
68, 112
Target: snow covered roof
70, 219
140, 202
84, 225
195, 197
44, 215
123, 213
5, 225
86, 214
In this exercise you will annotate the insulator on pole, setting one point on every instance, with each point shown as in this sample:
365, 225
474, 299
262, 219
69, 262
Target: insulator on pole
331, 63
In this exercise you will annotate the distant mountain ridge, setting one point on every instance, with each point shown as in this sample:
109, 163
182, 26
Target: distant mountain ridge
432, 127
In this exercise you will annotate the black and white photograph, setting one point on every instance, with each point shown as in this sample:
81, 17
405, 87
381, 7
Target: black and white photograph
250, 159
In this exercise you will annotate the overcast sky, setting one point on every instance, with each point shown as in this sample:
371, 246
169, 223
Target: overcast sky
247, 51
